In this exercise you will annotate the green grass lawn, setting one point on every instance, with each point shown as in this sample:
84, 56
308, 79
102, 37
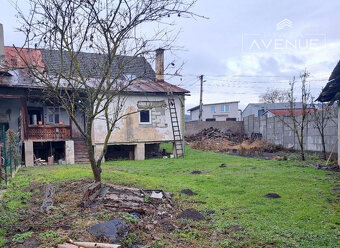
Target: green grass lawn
306, 215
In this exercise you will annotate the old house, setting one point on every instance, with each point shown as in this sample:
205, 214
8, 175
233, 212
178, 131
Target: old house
46, 130
225, 111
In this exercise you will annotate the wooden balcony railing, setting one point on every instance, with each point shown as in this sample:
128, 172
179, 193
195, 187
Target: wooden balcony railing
49, 132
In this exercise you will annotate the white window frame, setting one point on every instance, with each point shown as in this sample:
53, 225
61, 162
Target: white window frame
224, 108
146, 123
213, 108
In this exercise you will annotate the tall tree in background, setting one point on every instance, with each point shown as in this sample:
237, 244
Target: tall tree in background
112, 28
274, 96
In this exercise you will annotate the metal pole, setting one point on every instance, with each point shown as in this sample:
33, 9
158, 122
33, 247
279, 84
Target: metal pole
201, 96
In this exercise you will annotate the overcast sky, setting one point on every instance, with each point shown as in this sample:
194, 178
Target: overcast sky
245, 46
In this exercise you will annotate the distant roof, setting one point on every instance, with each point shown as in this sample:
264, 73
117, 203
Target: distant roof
219, 103
287, 112
276, 105
49, 60
332, 87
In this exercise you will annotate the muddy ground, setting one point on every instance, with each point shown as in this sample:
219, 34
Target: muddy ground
70, 219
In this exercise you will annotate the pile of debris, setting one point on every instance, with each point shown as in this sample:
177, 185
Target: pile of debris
124, 199
215, 140
215, 133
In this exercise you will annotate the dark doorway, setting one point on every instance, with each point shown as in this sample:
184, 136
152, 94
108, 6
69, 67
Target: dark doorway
44, 150
153, 150
120, 152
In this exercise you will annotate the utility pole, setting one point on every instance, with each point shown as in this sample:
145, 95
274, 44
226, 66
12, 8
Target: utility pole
201, 95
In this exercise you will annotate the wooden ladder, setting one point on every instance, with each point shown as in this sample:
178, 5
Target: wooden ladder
178, 142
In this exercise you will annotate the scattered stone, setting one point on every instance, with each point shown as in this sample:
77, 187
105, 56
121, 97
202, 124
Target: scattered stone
196, 172
272, 195
223, 165
112, 231
191, 214
163, 214
187, 192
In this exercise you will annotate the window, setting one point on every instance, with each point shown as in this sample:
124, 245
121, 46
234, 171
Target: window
145, 117
224, 108
213, 109
53, 115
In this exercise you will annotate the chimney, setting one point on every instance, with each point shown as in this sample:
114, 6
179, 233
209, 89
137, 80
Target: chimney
2, 45
160, 64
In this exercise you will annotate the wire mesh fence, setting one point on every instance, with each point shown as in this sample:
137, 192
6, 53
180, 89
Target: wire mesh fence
10, 154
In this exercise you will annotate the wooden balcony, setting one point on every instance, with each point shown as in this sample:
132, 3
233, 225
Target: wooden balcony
49, 132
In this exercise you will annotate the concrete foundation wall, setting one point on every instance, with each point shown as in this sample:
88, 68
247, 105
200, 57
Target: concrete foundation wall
194, 127
276, 131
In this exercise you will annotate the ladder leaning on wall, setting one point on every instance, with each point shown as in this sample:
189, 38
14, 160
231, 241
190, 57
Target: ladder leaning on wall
178, 142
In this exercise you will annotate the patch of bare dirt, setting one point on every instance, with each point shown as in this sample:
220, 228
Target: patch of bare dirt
272, 195
191, 214
187, 192
196, 172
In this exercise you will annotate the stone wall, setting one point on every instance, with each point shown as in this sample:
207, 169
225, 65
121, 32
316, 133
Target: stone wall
193, 127
278, 131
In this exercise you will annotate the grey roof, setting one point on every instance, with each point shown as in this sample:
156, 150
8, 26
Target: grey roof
208, 104
92, 64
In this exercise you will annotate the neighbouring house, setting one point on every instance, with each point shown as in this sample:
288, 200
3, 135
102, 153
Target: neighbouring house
259, 109
331, 93
46, 130
224, 111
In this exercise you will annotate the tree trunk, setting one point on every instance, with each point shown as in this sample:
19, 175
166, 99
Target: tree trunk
302, 150
324, 155
95, 169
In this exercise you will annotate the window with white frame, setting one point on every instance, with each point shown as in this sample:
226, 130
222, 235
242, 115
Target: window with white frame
145, 116
213, 109
224, 108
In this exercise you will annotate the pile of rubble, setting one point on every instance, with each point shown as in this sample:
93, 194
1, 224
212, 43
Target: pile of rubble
215, 140
215, 133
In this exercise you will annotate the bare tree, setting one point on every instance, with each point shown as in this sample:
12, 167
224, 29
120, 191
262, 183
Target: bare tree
299, 120
319, 118
274, 95
110, 30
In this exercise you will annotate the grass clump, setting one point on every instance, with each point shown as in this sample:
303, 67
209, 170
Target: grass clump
50, 238
129, 240
20, 238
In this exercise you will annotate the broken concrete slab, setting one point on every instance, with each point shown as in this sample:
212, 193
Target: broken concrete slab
112, 231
